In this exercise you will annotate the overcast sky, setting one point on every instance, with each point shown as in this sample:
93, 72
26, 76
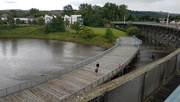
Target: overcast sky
172, 6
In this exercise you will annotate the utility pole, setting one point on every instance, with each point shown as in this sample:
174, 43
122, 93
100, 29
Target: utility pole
124, 19
167, 19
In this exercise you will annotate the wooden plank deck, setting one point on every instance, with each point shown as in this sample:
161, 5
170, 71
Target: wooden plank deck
55, 89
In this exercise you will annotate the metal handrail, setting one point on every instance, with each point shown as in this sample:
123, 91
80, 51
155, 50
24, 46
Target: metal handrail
42, 79
98, 82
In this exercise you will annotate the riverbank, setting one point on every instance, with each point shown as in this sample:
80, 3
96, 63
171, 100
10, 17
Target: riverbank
37, 32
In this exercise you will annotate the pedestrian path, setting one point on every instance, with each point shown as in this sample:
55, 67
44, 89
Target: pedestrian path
63, 86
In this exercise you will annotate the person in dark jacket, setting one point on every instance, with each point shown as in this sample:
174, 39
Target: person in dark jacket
97, 66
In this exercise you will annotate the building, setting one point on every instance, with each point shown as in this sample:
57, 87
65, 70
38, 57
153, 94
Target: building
48, 18
76, 18
66, 17
23, 20
4, 17
71, 19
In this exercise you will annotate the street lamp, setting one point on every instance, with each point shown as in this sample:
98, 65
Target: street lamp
167, 20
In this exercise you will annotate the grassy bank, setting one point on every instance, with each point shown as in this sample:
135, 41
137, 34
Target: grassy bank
37, 32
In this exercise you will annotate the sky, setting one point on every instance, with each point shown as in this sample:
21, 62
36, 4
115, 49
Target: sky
171, 6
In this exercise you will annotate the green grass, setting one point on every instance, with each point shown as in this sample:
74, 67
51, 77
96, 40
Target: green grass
37, 32
101, 31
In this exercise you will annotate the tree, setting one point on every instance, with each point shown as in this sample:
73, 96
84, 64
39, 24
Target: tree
87, 13
133, 31
18, 21
33, 10
109, 34
76, 26
11, 22
129, 24
34, 22
1, 21
123, 11
56, 25
131, 18
157, 20
41, 21
67, 23
110, 11
29, 22
68, 10
87, 33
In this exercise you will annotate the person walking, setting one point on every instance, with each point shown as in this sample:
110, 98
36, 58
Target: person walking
97, 66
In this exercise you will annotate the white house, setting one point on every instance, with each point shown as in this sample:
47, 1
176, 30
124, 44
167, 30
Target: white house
66, 17
48, 18
76, 18
4, 17
24, 20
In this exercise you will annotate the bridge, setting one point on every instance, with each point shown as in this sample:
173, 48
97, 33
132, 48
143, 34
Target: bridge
77, 81
154, 49
142, 84
137, 86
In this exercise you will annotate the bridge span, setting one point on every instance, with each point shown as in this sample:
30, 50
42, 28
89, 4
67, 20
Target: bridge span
141, 84
76, 82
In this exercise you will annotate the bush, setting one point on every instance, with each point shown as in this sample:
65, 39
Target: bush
7, 27
129, 24
87, 33
133, 31
109, 35
122, 29
56, 25
76, 26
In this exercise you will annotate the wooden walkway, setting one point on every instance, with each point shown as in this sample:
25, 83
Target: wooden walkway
56, 89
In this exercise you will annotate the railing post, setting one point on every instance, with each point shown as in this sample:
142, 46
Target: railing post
177, 62
164, 71
143, 87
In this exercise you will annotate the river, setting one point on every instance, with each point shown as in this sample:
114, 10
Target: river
25, 59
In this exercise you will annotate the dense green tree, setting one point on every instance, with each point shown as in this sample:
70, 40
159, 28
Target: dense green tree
11, 22
87, 33
34, 22
41, 21
66, 22
33, 11
56, 25
157, 20
18, 21
110, 11
29, 22
129, 24
123, 11
87, 13
145, 18
133, 31
1, 21
132, 18
76, 26
109, 34
68, 10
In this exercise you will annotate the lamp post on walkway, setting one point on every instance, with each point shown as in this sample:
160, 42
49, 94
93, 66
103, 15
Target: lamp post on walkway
124, 19
167, 20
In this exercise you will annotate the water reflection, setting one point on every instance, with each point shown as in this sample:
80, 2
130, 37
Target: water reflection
14, 46
24, 59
